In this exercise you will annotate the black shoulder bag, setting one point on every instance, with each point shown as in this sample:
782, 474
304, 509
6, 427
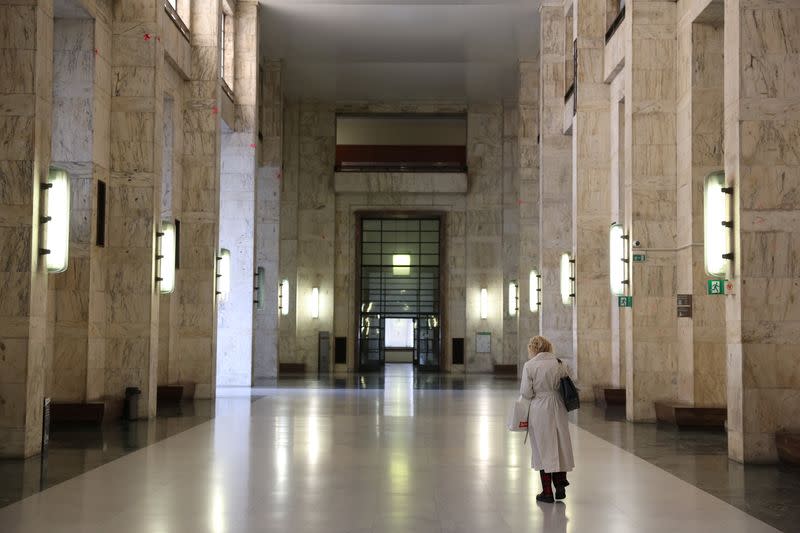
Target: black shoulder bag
569, 392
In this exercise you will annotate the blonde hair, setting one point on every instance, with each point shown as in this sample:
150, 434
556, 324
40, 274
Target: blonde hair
539, 344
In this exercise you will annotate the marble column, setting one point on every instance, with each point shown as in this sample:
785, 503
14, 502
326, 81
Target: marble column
701, 337
287, 326
195, 361
591, 203
528, 202
134, 194
511, 232
237, 207
762, 164
650, 205
267, 234
555, 179
26, 56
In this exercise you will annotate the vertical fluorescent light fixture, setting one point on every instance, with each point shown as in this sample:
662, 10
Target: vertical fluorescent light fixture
166, 263
716, 224
224, 274
315, 302
401, 264
533, 301
567, 279
616, 258
513, 298
284, 297
484, 303
56, 221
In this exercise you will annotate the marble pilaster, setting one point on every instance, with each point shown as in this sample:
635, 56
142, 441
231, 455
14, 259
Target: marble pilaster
26, 55
555, 180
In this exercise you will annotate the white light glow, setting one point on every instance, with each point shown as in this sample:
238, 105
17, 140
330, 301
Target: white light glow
484, 303
314, 303
534, 291
284, 297
512, 298
401, 264
616, 257
56, 230
224, 274
566, 281
166, 266
715, 235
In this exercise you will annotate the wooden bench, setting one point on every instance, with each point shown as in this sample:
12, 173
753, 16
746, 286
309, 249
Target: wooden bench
788, 445
686, 415
509, 371
608, 395
80, 413
169, 394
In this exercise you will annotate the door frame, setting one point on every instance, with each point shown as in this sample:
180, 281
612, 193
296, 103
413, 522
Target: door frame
400, 214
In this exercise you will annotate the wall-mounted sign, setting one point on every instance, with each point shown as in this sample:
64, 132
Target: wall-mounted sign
684, 306
639, 258
625, 301
483, 342
716, 286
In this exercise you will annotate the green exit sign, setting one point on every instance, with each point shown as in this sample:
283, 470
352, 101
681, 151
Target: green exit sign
716, 286
639, 258
625, 301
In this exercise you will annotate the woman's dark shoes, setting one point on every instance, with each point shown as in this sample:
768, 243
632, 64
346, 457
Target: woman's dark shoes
560, 493
546, 498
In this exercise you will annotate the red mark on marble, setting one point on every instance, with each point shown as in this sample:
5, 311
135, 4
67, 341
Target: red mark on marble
253, 145
147, 37
214, 110
158, 39
520, 202
279, 175
96, 52
760, 220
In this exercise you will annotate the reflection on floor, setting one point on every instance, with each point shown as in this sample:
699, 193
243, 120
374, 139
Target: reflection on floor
768, 492
75, 449
404, 458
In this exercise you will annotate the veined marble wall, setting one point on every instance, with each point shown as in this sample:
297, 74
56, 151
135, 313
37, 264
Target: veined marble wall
317, 248
762, 163
72, 150
26, 55
650, 204
701, 338
617, 213
555, 180
267, 226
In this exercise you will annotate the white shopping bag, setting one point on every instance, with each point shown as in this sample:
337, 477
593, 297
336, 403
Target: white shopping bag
518, 417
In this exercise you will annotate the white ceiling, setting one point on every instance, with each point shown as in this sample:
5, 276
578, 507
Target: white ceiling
400, 50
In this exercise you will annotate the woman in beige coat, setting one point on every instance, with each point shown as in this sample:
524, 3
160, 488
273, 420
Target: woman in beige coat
548, 429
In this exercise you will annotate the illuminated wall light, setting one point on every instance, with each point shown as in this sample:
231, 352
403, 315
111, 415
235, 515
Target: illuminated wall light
617, 261
283, 297
717, 225
535, 291
314, 302
259, 288
513, 298
166, 258
224, 274
484, 303
401, 264
567, 279
55, 230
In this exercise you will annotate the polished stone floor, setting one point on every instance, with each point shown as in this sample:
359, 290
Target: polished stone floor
417, 454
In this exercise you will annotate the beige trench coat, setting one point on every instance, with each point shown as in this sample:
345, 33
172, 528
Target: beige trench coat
548, 429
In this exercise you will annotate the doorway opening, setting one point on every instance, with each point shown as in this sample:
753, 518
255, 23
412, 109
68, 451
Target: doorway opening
399, 296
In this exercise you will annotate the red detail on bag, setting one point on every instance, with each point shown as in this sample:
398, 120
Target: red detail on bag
523, 424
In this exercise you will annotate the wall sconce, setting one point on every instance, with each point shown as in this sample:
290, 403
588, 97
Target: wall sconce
535, 299
567, 279
258, 288
484, 303
224, 273
315, 302
283, 297
55, 223
166, 243
717, 225
513, 298
618, 262
401, 264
